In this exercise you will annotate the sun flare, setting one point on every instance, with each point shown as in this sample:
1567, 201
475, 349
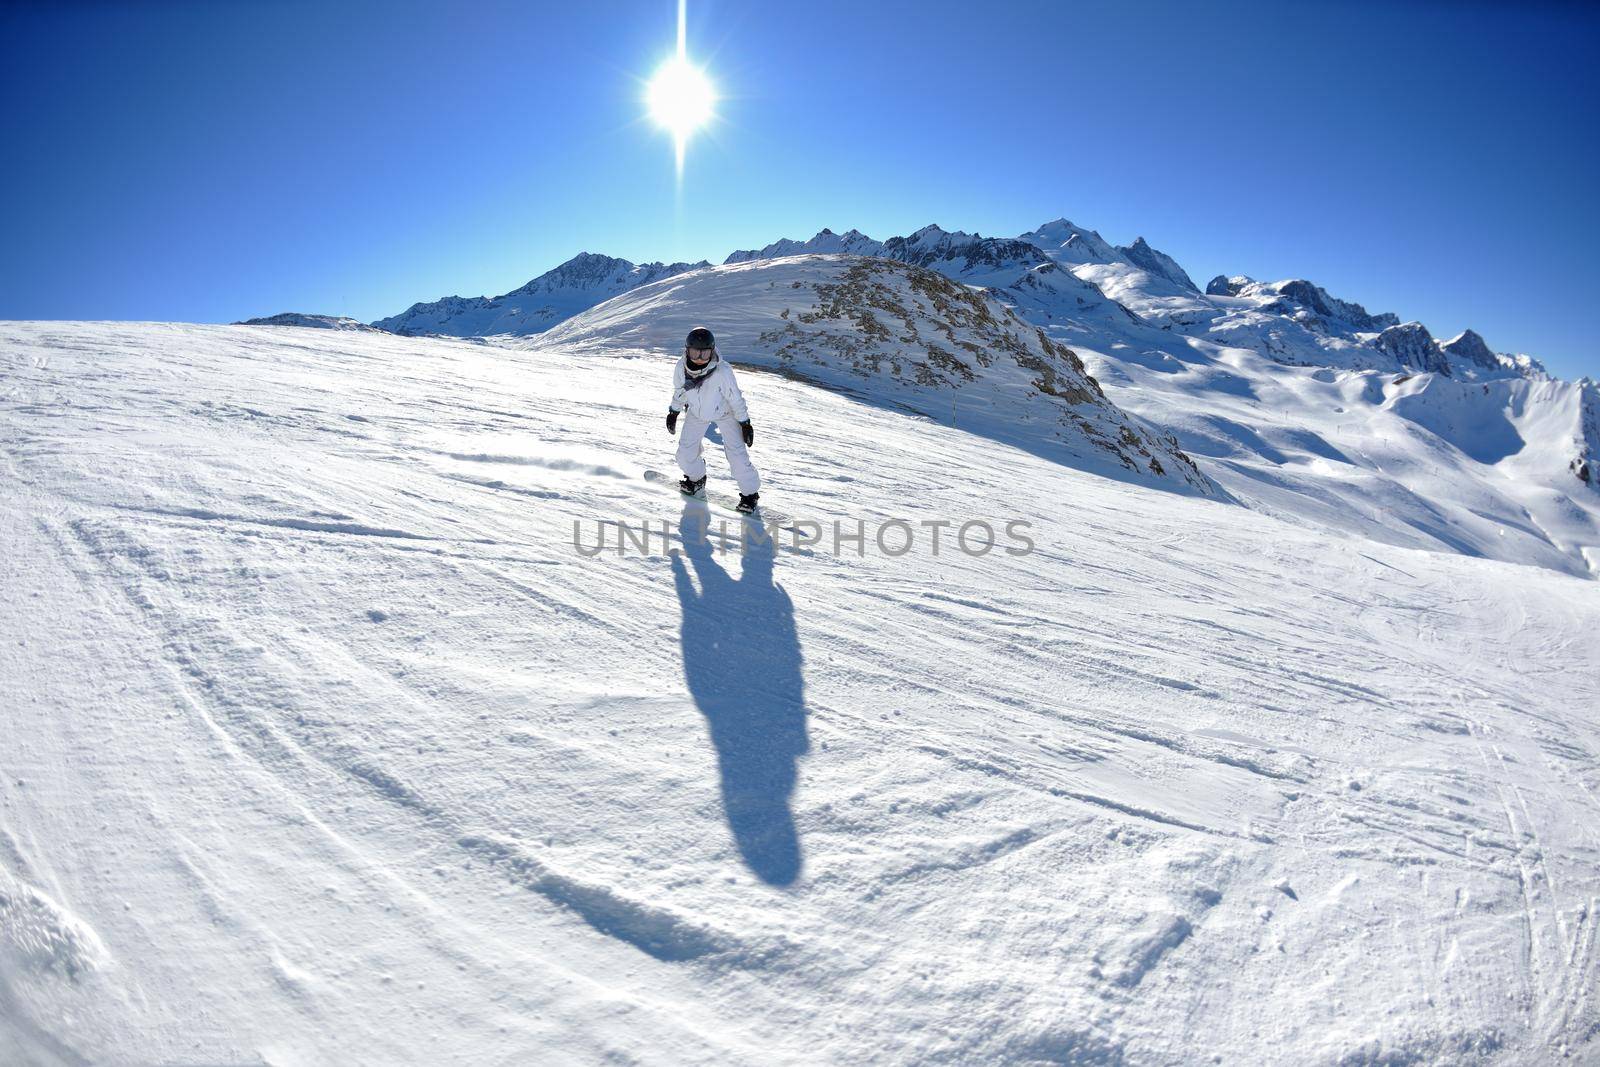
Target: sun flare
680, 97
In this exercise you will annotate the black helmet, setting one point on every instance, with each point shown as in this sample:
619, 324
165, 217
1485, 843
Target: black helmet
700, 338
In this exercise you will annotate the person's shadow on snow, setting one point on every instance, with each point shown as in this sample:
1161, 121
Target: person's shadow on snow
742, 663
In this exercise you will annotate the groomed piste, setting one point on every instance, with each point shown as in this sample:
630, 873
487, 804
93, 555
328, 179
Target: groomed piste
321, 743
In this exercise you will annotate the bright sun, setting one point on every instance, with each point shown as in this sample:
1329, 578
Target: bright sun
680, 97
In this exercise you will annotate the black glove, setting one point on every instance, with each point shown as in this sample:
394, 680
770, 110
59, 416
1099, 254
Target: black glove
672, 422
749, 432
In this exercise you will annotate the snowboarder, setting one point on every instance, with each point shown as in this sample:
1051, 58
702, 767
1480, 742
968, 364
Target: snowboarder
705, 392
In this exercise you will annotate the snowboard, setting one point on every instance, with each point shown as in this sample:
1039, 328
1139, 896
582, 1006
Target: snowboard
762, 514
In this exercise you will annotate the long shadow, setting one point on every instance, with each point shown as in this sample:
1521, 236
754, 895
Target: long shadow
742, 663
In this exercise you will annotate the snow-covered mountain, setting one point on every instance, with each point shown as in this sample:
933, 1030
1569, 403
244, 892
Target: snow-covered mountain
1312, 408
316, 322
896, 334
966, 257
1293, 321
323, 743
1067, 243
1469, 356
1304, 302
1022, 274
1293, 400
580, 283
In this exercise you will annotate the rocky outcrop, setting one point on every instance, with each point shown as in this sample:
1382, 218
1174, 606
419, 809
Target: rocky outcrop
966, 256
1471, 357
314, 322
1316, 299
1412, 346
1222, 285
1309, 304
1585, 464
1468, 349
826, 242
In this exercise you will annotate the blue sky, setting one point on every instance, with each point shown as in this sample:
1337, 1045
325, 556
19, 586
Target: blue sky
208, 162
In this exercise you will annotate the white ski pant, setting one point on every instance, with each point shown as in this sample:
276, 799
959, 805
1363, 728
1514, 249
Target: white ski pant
692, 463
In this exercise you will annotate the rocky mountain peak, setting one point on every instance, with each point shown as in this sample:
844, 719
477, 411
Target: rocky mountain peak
1413, 347
1468, 347
1068, 243
1222, 285
1141, 255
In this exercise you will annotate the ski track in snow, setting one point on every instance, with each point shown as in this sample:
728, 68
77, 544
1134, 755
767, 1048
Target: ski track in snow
324, 745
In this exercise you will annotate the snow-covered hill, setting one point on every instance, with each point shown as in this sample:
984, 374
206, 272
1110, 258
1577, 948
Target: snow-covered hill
580, 283
895, 334
322, 744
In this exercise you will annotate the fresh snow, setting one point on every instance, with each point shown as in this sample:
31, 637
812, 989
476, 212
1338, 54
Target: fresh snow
323, 745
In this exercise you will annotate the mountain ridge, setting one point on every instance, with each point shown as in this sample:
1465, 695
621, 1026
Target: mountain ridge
1004, 263
559, 293
589, 278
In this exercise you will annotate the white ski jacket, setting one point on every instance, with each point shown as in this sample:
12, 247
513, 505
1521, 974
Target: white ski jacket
716, 397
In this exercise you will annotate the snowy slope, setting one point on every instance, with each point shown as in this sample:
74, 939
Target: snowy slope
580, 283
322, 745
1488, 469
898, 335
